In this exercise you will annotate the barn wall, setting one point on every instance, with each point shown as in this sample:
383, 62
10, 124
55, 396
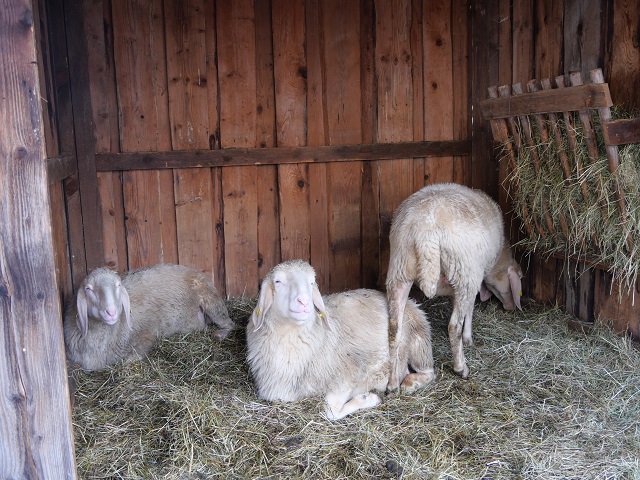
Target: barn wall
546, 38
187, 76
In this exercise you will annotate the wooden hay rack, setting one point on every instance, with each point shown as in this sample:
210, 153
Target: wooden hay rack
564, 127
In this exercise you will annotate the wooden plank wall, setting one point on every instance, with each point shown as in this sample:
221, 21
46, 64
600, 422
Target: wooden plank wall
173, 75
546, 38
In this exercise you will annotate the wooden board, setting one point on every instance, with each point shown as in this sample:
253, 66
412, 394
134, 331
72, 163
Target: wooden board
548, 38
36, 428
395, 110
621, 67
144, 126
438, 86
341, 25
186, 43
583, 28
236, 40
268, 200
290, 70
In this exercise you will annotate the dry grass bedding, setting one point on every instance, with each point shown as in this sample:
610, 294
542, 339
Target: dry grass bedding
542, 402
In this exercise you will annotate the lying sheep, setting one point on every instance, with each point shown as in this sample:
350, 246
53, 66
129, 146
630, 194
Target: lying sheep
117, 318
303, 345
450, 240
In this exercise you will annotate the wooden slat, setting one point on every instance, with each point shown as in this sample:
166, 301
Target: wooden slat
622, 63
548, 38
59, 168
290, 90
101, 68
438, 86
36, 428
236, 39
573, 99
189, 126
341, 25
217, 220
584, 23
77, 38
317, 125
370, 180
269, 253
395, 121
139, 51
622, 132
238, 157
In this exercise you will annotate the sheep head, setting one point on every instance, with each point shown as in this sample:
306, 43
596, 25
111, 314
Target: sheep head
103, 297
290, 289
504, 281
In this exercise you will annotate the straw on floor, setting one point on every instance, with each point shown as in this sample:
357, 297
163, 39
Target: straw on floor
542, 402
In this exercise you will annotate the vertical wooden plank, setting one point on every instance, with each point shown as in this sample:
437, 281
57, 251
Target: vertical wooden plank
105, 119
370, 208
583, 35
622, 72
419, 30
317, 135
485, 71
139, 51
461, 87
269, 253
185, 26
217, 220
548, 38
438, 86
35, 425
393, 65
619, 310
290, 70
523, 41
341, 25
236, 39
85, 147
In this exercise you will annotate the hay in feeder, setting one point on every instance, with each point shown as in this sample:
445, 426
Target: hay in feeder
541, 403
586, 222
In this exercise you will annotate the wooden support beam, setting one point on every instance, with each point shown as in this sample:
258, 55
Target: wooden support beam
622, 132
277, 156
60, 168
35, 427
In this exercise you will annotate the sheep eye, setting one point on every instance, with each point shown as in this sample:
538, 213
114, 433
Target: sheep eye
89, 288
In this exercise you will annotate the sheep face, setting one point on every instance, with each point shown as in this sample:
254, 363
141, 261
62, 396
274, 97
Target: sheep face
291, 290
506, 285
102, 297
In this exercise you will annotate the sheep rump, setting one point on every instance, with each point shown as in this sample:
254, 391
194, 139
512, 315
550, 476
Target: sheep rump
117, 318
302, 345
449, 239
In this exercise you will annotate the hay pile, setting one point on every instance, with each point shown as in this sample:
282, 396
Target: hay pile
587, 223
541, 403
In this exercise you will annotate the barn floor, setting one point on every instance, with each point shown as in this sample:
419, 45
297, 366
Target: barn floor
542, 402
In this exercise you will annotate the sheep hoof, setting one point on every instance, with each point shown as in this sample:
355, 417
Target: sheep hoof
467, 341
414, 381
464, 373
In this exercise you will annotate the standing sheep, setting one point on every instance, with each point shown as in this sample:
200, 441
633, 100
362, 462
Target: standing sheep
303, 345
450, 240
117, 318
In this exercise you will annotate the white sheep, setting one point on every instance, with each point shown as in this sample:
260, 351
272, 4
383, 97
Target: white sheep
301, 344
450, 240
116, 318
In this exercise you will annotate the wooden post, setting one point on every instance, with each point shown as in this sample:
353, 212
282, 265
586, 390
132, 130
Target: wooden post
35, 413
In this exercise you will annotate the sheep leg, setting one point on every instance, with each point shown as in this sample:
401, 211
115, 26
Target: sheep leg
462, 310
420, 358
338, 405
467, 339
397, 297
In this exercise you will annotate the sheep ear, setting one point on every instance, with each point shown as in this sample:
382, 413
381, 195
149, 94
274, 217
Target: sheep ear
264, 303
82, 319
318, 303
126, 304
485, 293
516, 286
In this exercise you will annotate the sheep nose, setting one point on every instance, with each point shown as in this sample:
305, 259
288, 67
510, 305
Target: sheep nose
111, 312
304, 301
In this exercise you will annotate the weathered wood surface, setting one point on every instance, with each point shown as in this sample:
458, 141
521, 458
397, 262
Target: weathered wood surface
573, 99
622, 132
35, 424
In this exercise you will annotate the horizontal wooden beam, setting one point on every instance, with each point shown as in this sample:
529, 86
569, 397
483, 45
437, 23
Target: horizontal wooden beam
571, 99
59, 168
622, 132
279, 155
